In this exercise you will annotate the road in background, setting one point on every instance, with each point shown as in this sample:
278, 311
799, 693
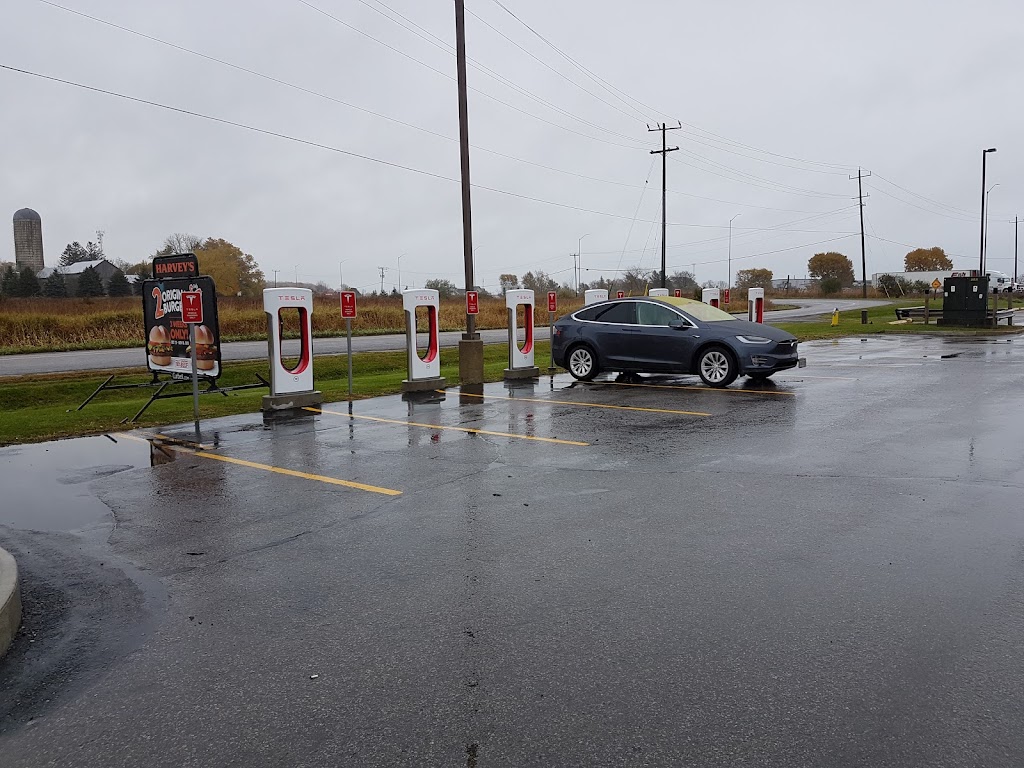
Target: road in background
106, 359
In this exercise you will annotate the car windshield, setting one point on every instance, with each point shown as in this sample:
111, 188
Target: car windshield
699, 310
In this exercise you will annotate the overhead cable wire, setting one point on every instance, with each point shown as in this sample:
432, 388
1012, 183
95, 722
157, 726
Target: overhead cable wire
752, 177
612, 89
636, 114
954, 217
319, 145
390, 118
637, 143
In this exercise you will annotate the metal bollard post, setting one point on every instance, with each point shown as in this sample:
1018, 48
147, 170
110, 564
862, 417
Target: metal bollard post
863, 317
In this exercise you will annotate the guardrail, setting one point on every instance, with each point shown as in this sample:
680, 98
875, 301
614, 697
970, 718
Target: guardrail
927, 314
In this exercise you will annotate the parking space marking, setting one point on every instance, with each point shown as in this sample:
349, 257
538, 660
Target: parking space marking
470, 430
688, 387
836, 378
583, 405
277, 470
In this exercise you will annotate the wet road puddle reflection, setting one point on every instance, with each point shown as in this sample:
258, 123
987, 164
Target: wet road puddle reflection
45, 485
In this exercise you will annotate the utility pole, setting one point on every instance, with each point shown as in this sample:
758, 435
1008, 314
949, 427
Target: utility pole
1015, 249
471, 346
863, 258
382, 271
664, 156
275, 276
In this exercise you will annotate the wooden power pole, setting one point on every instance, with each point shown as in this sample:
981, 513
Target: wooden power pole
664, 155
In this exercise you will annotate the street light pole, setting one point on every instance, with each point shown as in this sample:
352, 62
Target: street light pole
579, 255
1015, 222
729, 284
341, 275
981, 248
400, 273
984, 239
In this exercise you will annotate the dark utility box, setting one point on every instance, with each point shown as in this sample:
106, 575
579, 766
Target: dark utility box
965, 301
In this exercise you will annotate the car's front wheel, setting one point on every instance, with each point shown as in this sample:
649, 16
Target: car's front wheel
716, 367
582, 363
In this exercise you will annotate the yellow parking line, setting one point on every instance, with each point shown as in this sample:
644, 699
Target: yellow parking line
695, 389
836, 378
584, 405
470, 430
278, 470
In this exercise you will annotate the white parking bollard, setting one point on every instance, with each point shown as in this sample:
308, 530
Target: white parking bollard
425, 370
595, 295
711, 296
520, 359
755, 305
289, 387
658, 292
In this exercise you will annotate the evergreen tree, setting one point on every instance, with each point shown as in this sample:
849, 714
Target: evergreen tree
55, 287
93, 251
8, 280
90, 283
73, 253
119, 285
27, 284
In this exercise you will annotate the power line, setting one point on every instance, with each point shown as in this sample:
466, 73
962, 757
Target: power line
485, 94
665, 149
389, 118
636, 114
612, 89
327, 147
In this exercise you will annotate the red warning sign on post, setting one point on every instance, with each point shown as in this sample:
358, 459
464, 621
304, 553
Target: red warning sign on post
620, 294
725, 295
472, 303
348, 304
552, 301
192, 306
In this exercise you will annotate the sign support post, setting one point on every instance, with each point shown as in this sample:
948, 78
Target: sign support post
552, 308
192, 313
348, 347
195, 379
348, 311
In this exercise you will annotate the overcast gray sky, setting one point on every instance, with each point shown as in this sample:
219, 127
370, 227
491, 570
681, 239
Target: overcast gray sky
780, 103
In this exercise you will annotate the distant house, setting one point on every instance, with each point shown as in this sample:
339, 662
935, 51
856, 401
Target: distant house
793, 283
72, 272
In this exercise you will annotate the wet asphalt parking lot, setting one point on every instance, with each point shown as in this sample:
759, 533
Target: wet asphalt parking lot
827, 570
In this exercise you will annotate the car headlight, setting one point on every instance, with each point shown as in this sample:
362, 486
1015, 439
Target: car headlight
754, 340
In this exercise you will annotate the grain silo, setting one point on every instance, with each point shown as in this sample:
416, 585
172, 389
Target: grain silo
28, 239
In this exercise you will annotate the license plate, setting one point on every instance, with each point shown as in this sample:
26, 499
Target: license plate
801, 362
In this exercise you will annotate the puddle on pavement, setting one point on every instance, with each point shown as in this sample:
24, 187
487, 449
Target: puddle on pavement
46, 485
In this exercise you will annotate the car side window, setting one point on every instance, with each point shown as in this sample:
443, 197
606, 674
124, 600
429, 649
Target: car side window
620, 313
588, 313
649, 313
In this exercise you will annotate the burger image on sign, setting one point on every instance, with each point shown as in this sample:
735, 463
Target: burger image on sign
159, 346
206, 349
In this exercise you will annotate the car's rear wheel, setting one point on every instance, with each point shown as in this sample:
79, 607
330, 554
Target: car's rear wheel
582, 363
716, 367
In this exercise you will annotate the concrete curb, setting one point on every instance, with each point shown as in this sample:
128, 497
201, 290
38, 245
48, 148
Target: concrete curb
10, 601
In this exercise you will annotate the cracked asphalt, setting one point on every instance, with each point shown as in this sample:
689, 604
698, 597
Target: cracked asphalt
824, 570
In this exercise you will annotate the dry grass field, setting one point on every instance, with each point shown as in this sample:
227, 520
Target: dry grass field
64, 324
36, 325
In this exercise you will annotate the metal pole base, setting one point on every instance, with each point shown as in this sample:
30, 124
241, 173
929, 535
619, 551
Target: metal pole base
471, 360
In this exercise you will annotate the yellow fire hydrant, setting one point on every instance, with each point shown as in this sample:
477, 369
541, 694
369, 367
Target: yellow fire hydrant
835, 317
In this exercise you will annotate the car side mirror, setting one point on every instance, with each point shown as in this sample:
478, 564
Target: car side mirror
677, 325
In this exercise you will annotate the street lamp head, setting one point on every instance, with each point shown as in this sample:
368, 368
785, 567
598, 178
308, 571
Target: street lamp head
993, 149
